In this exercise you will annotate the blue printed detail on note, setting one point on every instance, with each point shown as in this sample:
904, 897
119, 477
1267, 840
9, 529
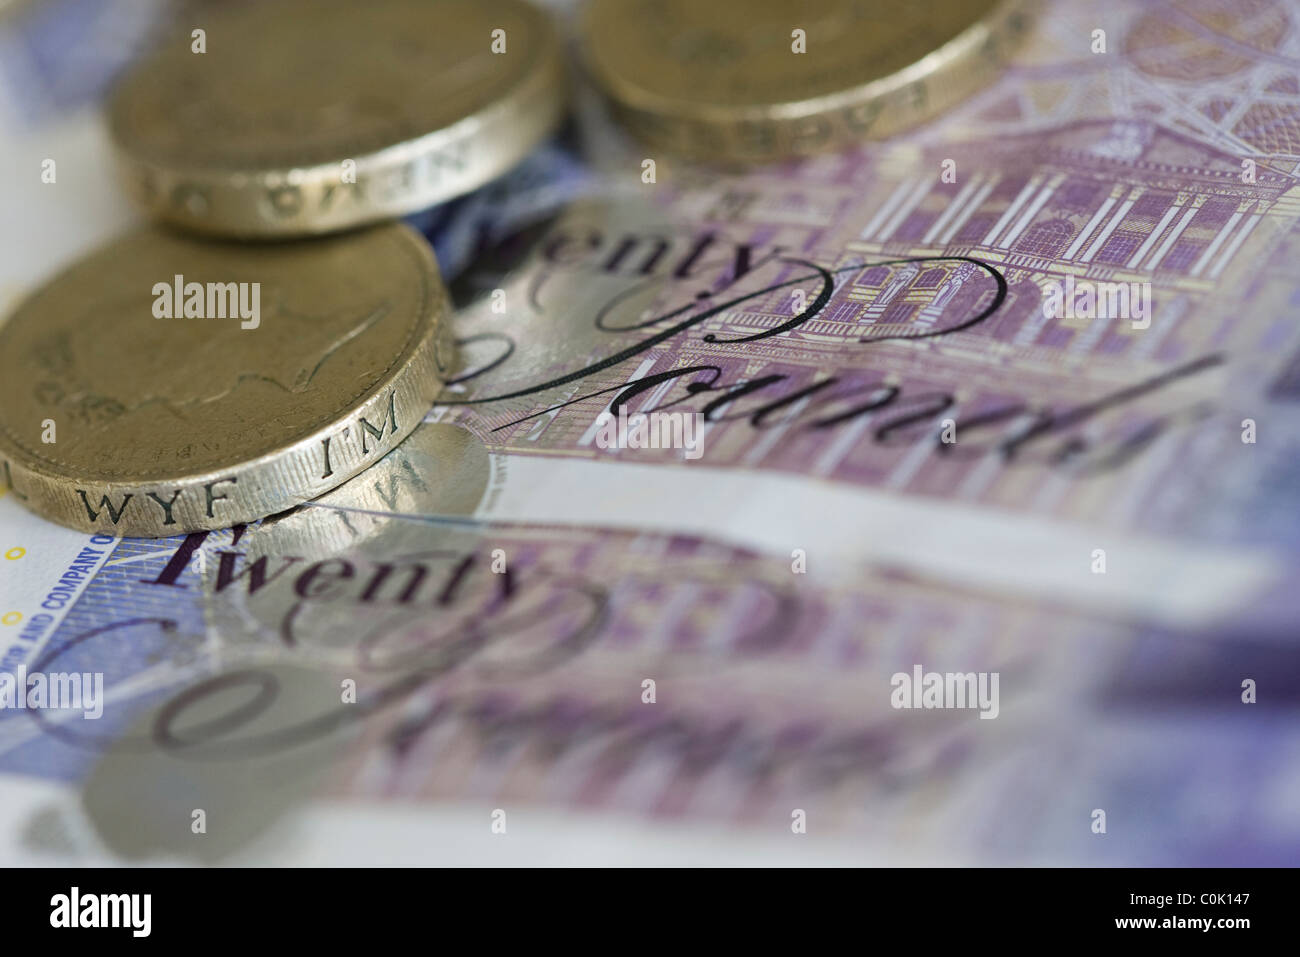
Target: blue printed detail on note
145, 638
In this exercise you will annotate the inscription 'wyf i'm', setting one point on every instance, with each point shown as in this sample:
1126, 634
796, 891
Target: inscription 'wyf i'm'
210, 495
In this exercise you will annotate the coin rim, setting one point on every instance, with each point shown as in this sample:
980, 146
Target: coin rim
641, 107
274, 481
234, 203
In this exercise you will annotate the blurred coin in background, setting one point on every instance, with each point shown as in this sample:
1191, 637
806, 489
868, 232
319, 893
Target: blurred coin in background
749, 81
297, 118
165, 384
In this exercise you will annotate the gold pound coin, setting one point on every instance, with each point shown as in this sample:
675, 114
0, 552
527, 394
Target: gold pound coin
751, 81
302, 118
166, 384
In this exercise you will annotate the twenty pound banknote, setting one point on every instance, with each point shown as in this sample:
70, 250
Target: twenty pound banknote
349, 652
743, 483
1048, 345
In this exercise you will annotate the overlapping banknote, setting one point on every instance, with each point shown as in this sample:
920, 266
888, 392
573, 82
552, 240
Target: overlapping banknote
1014, 396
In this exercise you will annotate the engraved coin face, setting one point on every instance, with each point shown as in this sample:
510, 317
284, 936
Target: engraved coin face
310, 117
167, 384
761, 79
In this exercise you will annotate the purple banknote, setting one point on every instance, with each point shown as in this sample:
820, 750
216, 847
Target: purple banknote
344, 651
1050, 343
